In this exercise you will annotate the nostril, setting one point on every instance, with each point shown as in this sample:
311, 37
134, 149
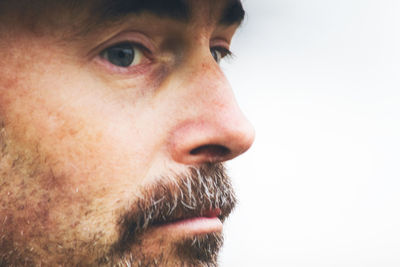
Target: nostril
216, 151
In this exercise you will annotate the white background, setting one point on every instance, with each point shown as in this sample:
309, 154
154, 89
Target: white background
320, 81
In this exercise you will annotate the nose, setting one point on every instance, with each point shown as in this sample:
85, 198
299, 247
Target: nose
212, 127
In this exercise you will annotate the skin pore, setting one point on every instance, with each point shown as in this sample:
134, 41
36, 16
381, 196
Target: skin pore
98, 161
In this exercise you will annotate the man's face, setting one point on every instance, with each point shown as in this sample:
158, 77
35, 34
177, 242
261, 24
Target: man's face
115, 119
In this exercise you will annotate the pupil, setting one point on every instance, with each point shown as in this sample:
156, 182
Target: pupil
121, 55
215, 55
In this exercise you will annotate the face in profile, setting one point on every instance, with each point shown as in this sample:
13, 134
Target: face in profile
115, 122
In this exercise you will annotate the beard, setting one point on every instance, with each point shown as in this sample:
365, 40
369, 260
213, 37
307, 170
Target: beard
196, 193
202, 190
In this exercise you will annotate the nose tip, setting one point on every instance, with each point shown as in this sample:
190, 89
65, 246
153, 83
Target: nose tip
197, 143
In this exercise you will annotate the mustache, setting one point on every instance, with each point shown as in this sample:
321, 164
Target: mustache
201, 192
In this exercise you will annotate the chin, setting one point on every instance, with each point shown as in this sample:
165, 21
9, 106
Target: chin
197, 250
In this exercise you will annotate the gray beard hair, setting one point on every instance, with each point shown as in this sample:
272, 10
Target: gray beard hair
202, 189
172, 198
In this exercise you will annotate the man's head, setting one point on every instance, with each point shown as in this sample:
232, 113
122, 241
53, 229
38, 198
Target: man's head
115, 119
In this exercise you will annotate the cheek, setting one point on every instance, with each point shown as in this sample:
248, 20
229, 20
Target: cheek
82, 149
80, 125
74, 169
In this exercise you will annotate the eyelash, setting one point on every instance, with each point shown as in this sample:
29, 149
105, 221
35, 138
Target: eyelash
226, 53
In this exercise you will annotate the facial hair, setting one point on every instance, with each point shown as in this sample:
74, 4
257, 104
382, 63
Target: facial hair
171, 199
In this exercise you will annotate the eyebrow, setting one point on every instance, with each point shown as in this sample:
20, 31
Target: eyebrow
175, 9
178, 10
233, 13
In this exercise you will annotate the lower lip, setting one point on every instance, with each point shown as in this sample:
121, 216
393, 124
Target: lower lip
192, 226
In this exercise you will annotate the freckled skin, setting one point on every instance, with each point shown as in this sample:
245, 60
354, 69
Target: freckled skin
78, 141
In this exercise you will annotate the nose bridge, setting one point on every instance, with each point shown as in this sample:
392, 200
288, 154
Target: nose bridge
208, 94
210, 89
212, 127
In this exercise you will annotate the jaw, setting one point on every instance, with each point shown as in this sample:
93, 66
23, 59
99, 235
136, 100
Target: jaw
156, 250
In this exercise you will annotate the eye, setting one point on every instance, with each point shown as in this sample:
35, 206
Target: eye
218, 53
123, 55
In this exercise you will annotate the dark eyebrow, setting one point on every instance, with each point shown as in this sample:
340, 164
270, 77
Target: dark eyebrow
179, 10
233, 13
175, 9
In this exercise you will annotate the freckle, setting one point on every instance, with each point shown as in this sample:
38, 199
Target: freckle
74, 224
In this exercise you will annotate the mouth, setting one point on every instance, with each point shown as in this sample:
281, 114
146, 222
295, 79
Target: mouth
196, 203
206, 222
